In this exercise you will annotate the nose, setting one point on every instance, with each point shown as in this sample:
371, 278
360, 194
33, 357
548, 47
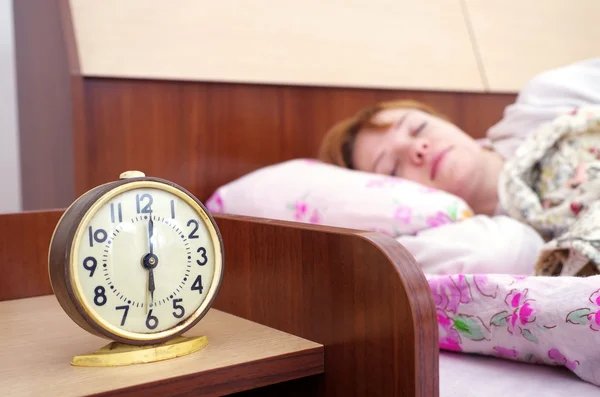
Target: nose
419, 151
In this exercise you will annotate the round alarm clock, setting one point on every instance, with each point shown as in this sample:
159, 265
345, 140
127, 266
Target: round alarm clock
138, 261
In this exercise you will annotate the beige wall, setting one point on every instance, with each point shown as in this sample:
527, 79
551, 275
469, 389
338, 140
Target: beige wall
518, 38
458, 45
333, 42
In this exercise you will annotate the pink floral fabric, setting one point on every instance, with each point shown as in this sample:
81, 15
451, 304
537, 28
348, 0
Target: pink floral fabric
539, 320
309, 191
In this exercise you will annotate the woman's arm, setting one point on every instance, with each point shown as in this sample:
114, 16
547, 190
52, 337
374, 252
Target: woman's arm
545, 97
481, 244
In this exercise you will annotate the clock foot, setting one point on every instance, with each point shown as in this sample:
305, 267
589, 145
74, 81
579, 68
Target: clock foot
118, 354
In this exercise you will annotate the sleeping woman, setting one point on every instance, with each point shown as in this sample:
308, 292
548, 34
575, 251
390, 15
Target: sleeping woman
411, 140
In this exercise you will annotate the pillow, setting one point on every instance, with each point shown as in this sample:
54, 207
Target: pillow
310, 191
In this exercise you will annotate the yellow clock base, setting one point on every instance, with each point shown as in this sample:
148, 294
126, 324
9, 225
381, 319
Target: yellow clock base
116, 354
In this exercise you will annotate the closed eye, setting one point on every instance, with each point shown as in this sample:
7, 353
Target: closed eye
418, 130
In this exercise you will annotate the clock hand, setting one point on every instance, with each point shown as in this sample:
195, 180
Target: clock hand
150, 261
151, 285
150, 233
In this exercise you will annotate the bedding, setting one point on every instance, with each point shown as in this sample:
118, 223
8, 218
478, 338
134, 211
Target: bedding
309, 191
418, 217
480, 244
532, 319
553, 184
483, 376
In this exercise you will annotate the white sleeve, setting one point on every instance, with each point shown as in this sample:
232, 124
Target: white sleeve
481, 244
545, 97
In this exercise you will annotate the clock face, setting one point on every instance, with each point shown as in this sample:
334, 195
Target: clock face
145, 261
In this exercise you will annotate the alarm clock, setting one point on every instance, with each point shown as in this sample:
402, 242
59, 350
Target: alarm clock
138, 260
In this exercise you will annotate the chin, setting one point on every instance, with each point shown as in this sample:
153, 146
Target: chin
459, 182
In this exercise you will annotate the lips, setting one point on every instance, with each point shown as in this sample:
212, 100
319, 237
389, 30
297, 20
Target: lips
437, 159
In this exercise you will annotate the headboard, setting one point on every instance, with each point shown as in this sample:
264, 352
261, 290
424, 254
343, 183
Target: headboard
79, 130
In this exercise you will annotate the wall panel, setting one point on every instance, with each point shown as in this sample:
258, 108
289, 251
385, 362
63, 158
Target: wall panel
378, 43
518, 39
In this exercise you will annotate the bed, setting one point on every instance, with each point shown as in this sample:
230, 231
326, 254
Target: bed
358, 295
487, 300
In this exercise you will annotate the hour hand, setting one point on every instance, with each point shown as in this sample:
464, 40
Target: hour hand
149, 262
151, 286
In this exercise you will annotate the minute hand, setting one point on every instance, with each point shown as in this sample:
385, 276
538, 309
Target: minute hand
151, 234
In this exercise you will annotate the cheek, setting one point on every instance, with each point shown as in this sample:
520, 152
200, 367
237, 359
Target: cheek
419, 175
457, 176
365, 144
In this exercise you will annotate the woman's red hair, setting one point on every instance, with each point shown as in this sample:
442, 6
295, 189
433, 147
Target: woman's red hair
336, 146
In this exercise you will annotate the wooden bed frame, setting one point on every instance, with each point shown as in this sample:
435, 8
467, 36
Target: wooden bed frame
359, 296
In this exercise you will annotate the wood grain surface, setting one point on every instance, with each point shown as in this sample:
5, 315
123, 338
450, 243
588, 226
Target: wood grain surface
206, 135
24, 243
361, 295
38, 341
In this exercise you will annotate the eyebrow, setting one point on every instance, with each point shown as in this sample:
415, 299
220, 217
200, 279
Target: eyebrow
399, 122
394, 125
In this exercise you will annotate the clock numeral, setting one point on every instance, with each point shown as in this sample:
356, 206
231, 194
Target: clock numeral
100, 296
116, 216
126, 310
151, 321
202, 252
90, 264
193, 232
147, 209
172, 209
180, 308
197, 286
98, 236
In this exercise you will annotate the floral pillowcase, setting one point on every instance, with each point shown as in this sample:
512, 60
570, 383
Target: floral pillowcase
539, 320
310, 191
